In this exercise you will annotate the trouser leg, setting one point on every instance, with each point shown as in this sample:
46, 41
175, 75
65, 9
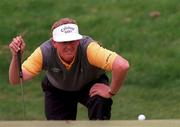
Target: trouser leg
99, 108
57, 108
59, 105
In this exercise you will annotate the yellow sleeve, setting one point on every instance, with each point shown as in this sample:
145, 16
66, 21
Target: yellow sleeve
100, 57
33, 64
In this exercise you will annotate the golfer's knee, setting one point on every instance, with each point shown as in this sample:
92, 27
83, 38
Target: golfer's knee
99, 108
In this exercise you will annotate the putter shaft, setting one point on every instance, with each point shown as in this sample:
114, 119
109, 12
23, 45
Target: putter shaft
21, 82
22, 95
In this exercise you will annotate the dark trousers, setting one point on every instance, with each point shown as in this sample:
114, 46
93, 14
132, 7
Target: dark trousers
62, 105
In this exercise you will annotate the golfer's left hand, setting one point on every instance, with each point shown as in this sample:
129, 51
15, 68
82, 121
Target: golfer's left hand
101, 90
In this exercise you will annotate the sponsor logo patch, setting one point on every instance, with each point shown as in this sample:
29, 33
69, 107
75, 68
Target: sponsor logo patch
55, 69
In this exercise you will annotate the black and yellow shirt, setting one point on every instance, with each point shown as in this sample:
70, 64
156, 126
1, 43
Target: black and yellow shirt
91, 61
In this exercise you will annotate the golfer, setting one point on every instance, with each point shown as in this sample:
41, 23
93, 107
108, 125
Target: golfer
75, 68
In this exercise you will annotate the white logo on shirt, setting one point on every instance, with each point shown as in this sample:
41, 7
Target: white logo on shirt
55, 69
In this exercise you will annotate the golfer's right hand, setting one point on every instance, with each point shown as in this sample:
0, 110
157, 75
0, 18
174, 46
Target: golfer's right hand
17, 44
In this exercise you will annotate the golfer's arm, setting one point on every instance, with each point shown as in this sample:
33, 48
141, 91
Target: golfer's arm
27, 75
119, 70
14, 72
109, 61
30, 67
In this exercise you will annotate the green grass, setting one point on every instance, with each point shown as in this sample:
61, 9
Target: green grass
151, 44
112, 123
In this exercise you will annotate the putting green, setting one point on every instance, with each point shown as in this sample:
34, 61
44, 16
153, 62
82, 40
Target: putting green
112, 123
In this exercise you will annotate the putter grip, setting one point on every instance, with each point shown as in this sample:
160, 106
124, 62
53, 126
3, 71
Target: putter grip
19, 63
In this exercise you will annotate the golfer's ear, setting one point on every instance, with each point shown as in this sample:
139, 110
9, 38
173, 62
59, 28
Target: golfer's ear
53, 43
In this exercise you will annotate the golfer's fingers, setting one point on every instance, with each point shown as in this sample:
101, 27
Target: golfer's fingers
12, 50
94, 93
21, 39
17, 41
14, 47
92, 90
22, 43
94, 87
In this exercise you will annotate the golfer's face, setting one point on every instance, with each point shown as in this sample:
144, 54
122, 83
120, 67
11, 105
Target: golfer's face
67, 50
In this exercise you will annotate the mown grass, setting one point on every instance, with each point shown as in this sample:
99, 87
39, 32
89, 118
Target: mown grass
150, 43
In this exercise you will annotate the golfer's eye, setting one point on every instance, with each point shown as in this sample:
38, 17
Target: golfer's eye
69, 42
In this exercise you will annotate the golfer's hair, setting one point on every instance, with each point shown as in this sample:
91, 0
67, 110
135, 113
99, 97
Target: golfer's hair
62, 22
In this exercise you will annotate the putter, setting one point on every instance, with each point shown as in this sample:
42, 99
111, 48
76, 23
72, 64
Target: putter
21, 82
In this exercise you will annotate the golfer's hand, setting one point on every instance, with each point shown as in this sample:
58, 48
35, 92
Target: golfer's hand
17, 44
101, 90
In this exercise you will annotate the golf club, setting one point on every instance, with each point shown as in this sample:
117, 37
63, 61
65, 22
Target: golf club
21, 81
21, 77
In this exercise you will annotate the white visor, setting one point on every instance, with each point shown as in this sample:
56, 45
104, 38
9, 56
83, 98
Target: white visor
66, 32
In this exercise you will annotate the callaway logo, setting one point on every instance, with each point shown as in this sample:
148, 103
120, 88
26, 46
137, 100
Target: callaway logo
67, 29
55, 69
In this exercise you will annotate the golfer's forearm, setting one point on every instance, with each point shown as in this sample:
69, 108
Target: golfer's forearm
119, 72
13, 71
